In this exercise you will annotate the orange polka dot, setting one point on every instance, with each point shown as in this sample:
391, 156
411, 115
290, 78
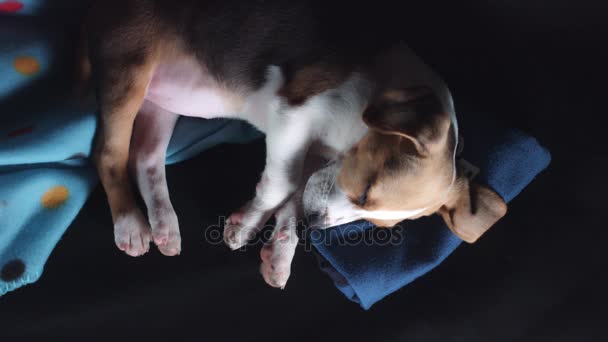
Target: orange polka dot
55, 196
26, 65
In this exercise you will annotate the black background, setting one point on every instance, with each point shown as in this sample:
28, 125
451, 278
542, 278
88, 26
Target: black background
537, 275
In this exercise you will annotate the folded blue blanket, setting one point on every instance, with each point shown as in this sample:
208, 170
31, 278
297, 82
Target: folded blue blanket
45, 177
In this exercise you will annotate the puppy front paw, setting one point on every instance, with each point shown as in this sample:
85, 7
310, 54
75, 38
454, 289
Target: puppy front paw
132, 233
236, 234
278, 253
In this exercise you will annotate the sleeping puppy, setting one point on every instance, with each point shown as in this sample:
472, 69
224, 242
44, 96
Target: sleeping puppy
319, 89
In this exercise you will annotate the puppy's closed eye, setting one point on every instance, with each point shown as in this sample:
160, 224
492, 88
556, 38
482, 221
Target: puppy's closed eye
362, 199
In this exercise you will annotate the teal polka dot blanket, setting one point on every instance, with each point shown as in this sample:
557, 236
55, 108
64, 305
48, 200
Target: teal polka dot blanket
46, 176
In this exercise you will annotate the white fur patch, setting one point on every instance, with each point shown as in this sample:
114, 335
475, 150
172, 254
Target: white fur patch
392, 214
341, 210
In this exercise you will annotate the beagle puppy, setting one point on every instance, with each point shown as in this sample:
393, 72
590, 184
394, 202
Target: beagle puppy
319, 88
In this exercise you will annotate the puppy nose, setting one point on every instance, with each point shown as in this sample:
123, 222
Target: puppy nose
315, 220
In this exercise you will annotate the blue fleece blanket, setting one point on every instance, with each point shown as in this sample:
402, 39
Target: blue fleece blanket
45, 175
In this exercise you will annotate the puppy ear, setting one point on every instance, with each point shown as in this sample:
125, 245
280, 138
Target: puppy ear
415, 113
472, 209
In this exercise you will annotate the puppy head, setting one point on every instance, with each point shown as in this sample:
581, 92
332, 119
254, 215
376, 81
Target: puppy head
403, 168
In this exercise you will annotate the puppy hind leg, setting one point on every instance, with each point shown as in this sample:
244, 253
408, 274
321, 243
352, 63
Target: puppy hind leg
121, 89
151, 135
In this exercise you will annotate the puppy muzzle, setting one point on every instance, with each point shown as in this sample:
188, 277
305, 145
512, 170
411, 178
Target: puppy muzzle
317, 193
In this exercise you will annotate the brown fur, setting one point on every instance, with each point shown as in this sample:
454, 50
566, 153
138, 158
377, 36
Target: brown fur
407, 156
415, 113
312, 80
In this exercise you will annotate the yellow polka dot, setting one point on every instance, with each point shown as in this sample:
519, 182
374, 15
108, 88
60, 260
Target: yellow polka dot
55, 196
26, 65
